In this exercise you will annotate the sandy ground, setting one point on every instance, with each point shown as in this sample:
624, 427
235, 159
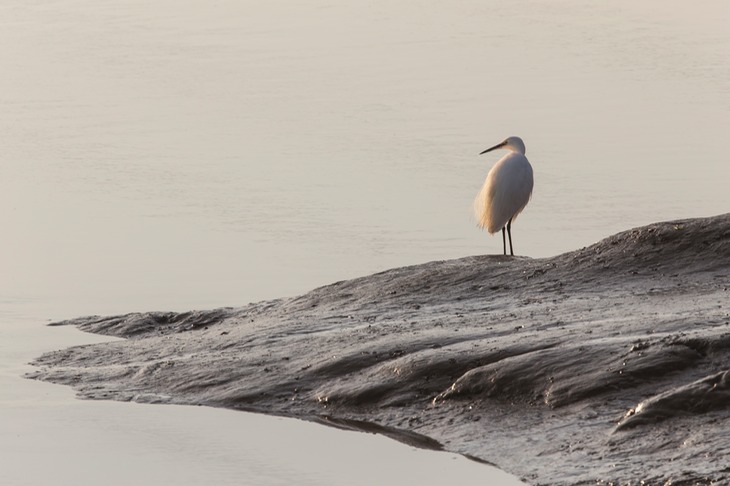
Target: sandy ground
607, 364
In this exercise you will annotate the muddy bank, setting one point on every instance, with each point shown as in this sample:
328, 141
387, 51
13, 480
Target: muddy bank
610, 363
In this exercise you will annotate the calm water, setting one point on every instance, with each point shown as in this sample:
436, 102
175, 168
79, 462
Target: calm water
159, 155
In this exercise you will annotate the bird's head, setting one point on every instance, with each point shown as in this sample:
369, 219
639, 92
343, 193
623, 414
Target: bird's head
515, 144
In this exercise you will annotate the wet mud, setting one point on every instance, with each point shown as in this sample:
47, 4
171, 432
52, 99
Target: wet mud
610, 364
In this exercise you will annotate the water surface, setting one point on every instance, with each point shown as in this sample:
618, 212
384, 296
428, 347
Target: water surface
166, 156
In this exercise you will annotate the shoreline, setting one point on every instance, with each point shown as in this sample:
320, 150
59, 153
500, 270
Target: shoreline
80, 441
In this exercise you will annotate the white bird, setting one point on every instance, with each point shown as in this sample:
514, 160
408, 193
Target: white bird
506, 190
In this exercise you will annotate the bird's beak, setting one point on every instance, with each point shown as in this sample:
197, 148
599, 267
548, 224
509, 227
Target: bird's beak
499, 145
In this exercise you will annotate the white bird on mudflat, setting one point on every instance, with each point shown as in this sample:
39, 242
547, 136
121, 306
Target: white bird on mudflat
506, 190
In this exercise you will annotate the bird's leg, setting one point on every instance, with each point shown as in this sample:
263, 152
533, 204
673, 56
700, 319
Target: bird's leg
509, 232
504, 241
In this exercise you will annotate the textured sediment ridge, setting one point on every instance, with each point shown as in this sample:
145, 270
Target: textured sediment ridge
606, 364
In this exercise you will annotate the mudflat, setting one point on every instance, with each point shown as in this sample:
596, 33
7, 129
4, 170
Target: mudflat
606, 364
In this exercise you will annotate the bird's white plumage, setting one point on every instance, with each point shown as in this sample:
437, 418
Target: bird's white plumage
507, 189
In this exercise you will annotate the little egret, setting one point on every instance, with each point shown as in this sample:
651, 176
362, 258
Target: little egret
506, 190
